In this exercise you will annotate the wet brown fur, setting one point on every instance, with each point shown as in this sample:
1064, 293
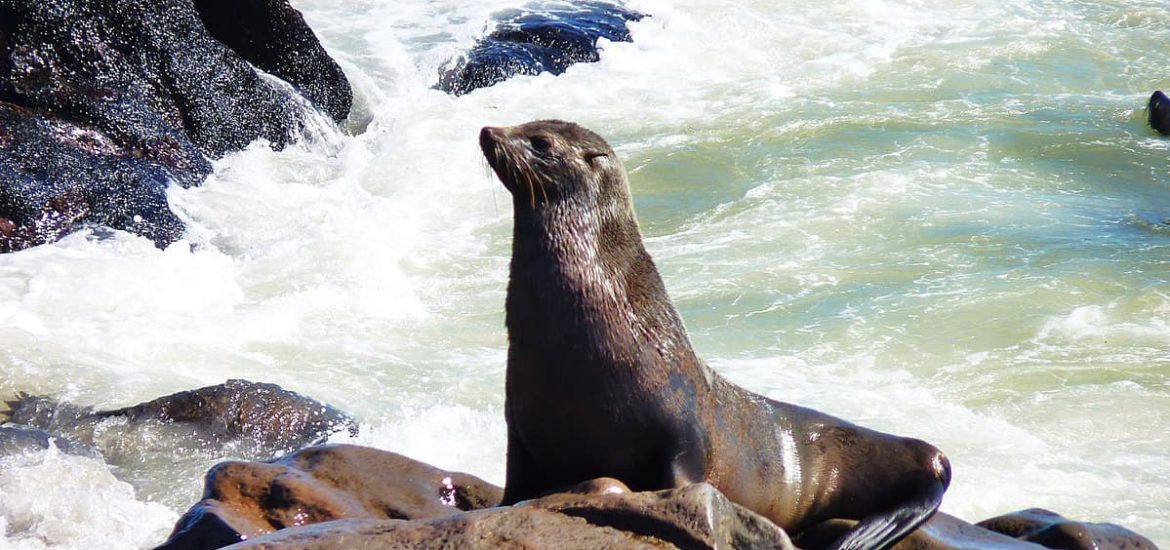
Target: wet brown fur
602, 379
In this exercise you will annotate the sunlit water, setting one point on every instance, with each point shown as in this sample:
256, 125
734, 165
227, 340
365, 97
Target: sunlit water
937, 219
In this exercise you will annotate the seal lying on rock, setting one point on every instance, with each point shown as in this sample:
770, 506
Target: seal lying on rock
602, 379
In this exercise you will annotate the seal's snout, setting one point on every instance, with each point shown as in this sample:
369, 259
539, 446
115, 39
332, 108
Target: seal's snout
491, 142
942, 468
489, 136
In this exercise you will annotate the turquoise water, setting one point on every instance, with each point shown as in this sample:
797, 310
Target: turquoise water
945, 222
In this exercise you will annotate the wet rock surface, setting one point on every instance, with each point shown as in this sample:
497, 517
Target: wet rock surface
19, 439
1033, 529
1053, 530
537, 39
104, 103
346, 496
319, 484
274, 419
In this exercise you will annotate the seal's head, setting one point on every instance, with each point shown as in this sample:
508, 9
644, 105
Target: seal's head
550, 161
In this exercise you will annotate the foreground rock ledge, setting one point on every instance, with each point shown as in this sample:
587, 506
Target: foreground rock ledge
345, 496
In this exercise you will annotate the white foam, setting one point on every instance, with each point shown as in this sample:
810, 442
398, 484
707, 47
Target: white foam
52, 500
892, 226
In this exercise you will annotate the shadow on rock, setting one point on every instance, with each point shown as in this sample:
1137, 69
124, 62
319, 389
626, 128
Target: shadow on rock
535, 40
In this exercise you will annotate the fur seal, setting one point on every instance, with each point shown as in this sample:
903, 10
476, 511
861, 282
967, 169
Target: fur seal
602, 380
1158, 113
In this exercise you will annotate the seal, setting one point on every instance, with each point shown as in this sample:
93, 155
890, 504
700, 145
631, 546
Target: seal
602, 380
1158, 112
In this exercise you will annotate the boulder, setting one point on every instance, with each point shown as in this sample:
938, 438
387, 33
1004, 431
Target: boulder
244, 499
22, 439
941, 532
276, 419
1052, 530
535, 40
273, 36
56, 174
105, 103
343, 496
1033, 529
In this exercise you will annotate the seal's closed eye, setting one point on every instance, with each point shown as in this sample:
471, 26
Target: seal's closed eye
540, 144
594, 155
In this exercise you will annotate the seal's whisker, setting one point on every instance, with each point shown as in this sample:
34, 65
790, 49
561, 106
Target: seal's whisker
543, 192
531, 187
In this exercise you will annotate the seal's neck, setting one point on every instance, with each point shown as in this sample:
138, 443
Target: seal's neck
583, 286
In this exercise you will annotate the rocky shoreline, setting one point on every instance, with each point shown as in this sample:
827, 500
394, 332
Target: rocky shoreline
106, 103
343, 496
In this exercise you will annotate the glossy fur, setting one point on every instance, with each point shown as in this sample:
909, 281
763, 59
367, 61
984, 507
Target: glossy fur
602, 379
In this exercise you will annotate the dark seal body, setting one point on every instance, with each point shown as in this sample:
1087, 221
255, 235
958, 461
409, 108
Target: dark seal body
602, 379
1158, 113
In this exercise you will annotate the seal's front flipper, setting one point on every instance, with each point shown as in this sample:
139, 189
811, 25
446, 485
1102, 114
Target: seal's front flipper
885, 529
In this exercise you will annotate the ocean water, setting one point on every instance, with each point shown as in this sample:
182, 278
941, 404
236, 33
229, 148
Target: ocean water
942, 220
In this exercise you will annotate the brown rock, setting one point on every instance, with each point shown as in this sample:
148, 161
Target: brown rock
694, 517
501, 528
1052, 530
318, 484
344, 496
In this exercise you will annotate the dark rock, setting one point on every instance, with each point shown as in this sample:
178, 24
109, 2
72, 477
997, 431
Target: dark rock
1052, 530
941, 532
55, 174
274, 418
104, 103
1158, 113
536, 40
355, 497
1033, 529
273, 36
319, 484
22, 439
